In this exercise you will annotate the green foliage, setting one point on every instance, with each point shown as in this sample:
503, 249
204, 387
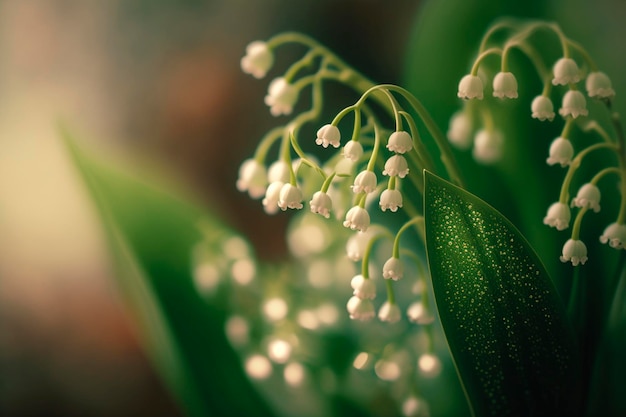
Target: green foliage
505, 324
151, 234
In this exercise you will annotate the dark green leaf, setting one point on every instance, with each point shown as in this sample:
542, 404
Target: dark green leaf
151, 234
505, 324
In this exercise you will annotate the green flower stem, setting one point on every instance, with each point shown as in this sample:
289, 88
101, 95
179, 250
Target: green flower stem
577, 223
391, 183
419, 152
304, 62
372, 162
444, 147
390, 294
366, 256
503, 24
544, 73
483, 55
605, 171
534, 26
415, 221
575, 164
296, 147
327, 182
356, 131
266, 143
394, 106
583, 52
567, 128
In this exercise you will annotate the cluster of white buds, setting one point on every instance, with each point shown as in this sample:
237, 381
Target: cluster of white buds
565, 71
345, 185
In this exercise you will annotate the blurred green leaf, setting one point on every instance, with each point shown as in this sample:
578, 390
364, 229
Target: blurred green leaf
504, 322
151, 233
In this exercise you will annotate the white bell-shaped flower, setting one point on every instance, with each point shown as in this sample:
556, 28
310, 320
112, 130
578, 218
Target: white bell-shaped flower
258, 59
561, 152
357, 244
290, 197
542, 108
393, 269
396, 166
574, 251
279, 172
470, 86
365, 181
328, 135
417, 313
390, 200
614, 235
364, 288
574, 104
565, 72
357, 218
400, 142
598, 85
488, 146
460, 130
281, 97
272, 194
558, 216
321, 203
359, 309
389, 313
353, 150
505, 85
252, 178
588, 196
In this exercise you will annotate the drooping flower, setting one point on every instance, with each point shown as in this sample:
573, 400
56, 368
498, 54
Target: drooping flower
252, 178
281, 97
598, 85
393, 269
278, 172
505, 85
558, 216
357, 244
417, 313
272, 194
470, 86
290, 197
588, 196
542, 108
365, 181
400, 142
574, 251
561, 152
364, 288
565, 72
353, 150
396, 166
614, 235
357, 218
328, 135
258, 59
488, 146
390, 200
321, 204
360, 309
574, 104
460, 130
389, 312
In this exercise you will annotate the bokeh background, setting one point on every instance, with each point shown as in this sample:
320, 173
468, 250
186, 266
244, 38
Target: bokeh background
159, 79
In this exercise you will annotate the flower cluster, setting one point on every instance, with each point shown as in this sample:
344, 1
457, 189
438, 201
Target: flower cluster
565, 71
376, 163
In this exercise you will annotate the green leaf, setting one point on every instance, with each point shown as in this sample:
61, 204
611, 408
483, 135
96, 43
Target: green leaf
505, 324
151, 233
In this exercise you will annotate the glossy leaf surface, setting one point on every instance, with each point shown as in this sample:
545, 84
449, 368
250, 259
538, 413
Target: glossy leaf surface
505, 324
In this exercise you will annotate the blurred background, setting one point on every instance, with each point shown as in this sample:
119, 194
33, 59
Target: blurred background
159, 78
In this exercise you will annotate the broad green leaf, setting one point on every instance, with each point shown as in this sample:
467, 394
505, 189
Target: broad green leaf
151, 233
503, 319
